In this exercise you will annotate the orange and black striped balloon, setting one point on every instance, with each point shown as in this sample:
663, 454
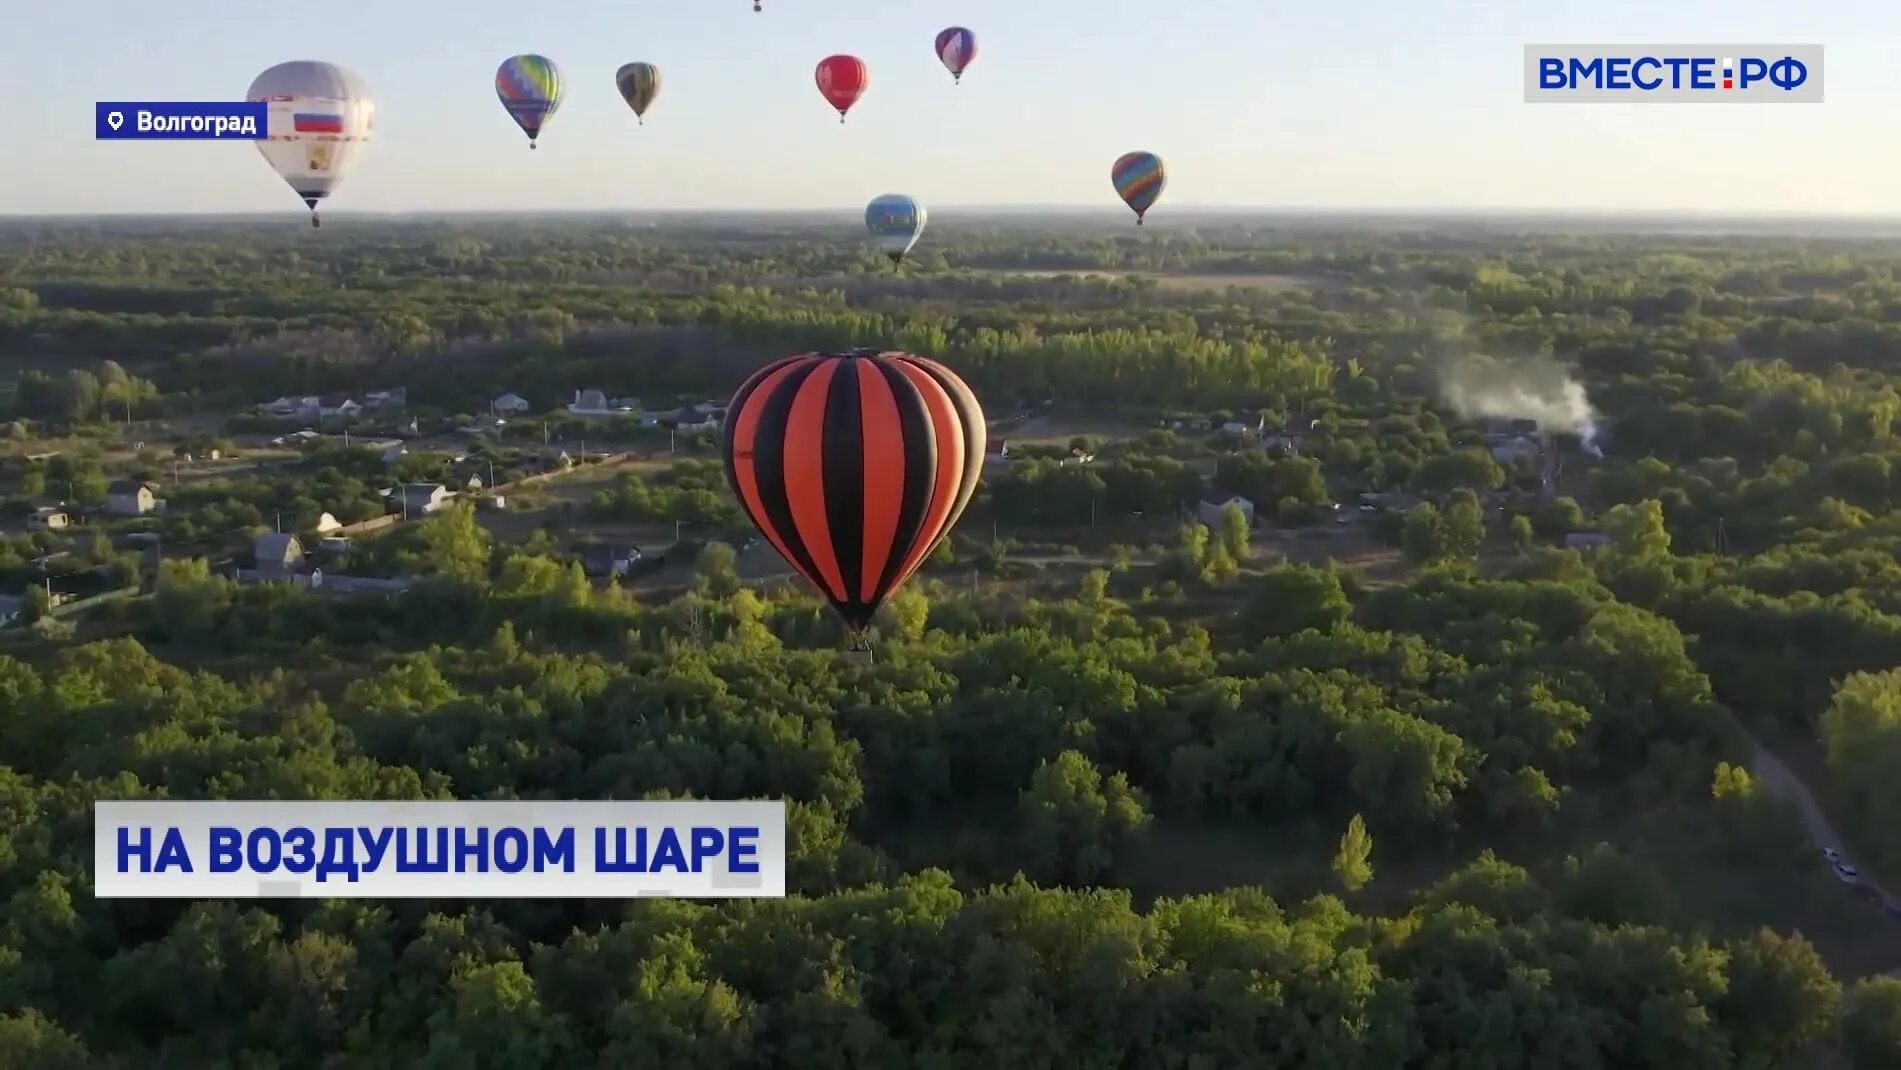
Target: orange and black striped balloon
854, 466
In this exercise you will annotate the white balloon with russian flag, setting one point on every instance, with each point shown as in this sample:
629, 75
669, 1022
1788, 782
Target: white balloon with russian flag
320, 118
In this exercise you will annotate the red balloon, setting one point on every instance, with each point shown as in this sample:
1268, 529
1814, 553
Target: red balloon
842, 80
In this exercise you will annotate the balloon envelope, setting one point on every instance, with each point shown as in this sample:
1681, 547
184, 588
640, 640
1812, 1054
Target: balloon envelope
530, 88
842, 80
639, 83
320, 119
854, 467
956, 47
895, 222
1138, 178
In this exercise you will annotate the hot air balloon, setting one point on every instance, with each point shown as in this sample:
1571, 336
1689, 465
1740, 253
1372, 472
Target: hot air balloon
639, 83
895, 222
854, 466
319, 118
956, 47
842, 80
530, 88
1139, 179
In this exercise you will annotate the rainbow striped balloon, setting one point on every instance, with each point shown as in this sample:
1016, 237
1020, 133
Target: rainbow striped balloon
1139, 178
530, 88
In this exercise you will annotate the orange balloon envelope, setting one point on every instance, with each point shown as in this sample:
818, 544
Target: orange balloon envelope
854, 467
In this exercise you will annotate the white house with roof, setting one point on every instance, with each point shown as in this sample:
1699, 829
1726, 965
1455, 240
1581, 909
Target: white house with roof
511, 403
292, 405
130, 497
420, 499
1210, 512
49, 518
278, 555
589, 403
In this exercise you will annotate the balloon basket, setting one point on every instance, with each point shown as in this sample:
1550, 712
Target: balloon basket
315, 222
860, 652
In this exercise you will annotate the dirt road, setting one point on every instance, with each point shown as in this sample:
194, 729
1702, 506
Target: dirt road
1778, 780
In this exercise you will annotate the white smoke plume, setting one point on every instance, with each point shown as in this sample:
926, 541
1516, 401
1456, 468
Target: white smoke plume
1535, 388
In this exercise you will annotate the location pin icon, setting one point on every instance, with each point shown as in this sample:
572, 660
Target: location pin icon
115, 120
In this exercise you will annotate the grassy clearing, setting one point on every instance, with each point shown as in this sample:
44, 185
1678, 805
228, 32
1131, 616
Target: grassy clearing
1193, 283
1271, 283
1059, 430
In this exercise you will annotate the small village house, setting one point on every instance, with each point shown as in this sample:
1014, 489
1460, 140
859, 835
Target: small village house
130, 497
1210, 512
417, 500
278, 555
609, 560
589, 403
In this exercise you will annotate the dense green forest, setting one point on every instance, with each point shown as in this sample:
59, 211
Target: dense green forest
1122, 789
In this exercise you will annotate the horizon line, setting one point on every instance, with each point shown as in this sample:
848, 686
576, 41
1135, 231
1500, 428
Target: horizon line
1415, 211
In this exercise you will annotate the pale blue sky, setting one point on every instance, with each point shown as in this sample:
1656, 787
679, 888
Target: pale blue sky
1328, 104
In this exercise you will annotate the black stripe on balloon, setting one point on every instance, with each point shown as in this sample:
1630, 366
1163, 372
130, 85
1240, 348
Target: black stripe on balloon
768, 452
843, 446
729, 434
920, 471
